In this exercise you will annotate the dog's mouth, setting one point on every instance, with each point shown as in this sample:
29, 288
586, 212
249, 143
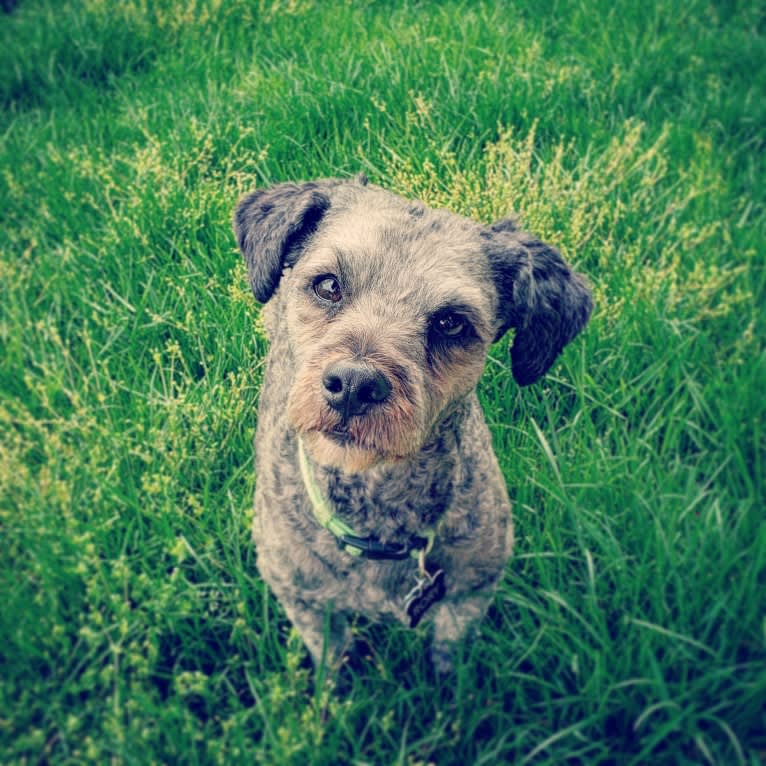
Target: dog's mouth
339, 448
348, 442
340, 435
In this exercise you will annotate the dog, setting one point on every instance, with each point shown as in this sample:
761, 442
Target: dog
377, 489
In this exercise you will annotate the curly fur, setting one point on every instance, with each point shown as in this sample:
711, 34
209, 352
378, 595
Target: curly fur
420, 459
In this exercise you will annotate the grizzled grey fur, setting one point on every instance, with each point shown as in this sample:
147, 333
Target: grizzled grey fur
380, 312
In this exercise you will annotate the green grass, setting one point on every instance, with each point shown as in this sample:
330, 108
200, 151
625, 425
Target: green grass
631, 625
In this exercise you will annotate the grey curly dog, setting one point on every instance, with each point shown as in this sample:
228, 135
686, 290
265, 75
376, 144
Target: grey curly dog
377, 489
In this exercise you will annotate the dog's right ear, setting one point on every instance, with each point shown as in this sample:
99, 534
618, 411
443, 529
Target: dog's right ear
272, 224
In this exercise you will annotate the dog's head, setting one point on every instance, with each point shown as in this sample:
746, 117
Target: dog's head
390, 308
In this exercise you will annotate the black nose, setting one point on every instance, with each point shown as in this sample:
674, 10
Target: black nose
352, 388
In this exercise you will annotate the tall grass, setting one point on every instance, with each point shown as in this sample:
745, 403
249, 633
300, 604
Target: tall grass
631, 625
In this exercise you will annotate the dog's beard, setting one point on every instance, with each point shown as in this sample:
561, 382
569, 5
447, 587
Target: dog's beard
349, 458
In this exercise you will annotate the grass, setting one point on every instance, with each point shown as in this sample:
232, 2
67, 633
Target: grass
631, 626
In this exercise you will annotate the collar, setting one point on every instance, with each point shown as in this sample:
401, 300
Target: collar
365, 547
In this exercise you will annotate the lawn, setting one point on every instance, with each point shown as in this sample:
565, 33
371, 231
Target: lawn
631, 625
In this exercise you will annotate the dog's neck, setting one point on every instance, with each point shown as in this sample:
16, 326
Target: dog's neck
406, 495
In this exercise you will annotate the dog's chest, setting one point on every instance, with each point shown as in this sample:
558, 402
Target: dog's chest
401, 590
389, 513
379, 588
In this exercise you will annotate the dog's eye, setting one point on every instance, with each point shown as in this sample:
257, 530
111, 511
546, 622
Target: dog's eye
450, 324
327, 288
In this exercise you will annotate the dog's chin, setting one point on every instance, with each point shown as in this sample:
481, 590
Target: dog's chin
337, 450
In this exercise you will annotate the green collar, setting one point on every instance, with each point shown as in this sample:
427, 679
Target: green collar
348, 540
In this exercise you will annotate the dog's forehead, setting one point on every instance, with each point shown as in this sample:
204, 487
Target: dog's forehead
406, 251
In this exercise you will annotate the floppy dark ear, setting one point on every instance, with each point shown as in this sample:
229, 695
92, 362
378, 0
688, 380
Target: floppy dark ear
539, 295
272, 224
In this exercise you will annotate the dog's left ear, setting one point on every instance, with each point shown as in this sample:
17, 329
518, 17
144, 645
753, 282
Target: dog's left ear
272, 224
539, 295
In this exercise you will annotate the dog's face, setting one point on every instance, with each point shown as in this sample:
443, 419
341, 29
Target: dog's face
390, 308
390, 315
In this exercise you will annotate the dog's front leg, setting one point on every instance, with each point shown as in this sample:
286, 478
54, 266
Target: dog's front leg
452, 621
326, 633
